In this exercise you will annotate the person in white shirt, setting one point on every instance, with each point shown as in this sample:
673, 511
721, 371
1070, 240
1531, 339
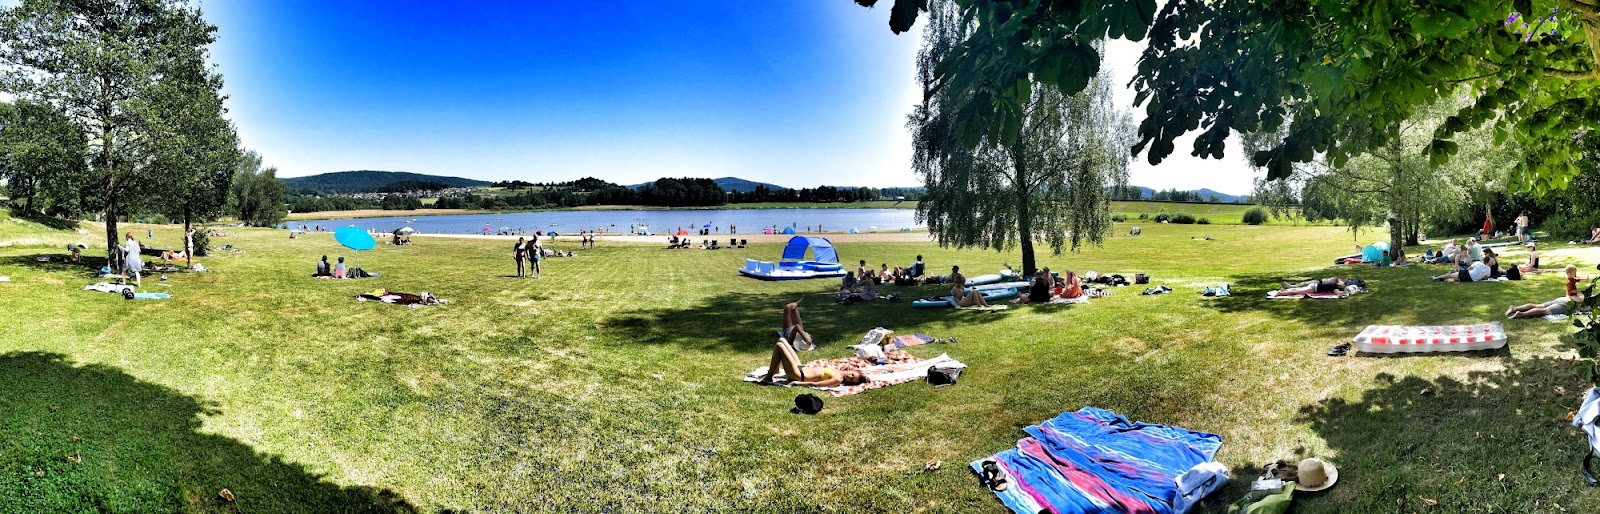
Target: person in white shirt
132, 261
1478, 271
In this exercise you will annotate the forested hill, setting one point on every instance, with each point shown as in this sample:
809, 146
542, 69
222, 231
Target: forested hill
367, 181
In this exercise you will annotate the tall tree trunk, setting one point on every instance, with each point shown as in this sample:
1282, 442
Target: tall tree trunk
111, 234
1024, 208
1396, 231
188, 241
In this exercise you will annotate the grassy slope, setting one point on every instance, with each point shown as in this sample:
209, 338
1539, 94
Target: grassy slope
612, 383
1217, 213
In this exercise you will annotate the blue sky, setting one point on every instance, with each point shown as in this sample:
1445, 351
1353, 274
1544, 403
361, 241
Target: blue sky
798, 93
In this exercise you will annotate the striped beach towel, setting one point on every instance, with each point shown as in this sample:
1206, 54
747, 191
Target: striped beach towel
1449, 338
1094, 460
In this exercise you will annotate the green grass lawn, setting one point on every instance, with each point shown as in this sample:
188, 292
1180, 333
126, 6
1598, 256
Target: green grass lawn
612, 383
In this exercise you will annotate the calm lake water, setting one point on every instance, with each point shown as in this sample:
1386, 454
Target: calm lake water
746, 221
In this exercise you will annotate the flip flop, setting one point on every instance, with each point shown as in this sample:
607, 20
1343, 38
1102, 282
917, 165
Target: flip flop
993, 477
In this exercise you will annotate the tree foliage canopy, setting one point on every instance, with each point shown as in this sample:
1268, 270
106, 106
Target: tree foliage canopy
1047, 180
1338, 76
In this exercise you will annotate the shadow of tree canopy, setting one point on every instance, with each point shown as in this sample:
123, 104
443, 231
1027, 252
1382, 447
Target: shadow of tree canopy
92, 438
1494, 442
725, 320
87, 263
1398, 296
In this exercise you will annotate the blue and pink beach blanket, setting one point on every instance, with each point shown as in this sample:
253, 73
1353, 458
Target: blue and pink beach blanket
1094, 460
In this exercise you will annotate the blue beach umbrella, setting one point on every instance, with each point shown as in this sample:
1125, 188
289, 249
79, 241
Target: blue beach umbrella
354, 238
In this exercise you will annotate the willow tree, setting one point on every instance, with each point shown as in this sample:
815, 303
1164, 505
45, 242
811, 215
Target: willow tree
1049, 180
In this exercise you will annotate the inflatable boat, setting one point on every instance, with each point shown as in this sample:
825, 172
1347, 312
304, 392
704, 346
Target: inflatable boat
794, 265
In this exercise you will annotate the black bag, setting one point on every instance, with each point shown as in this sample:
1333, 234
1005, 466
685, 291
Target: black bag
940, 377
807, 404
1140, 278
127, 293
1513, 273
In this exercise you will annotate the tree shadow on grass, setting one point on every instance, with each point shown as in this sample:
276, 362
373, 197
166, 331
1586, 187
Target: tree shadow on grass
51, 222
1397, 296
749, 321
1496, 441
86, 264
82, 438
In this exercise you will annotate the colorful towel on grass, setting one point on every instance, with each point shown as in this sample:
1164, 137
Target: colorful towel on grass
1094, 460
1411, 339
902, 367
902, 341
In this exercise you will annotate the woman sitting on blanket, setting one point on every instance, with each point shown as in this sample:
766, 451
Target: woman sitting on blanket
966, 298
1532, 266
1039, 290
783, 358
1560, 305
1324, 286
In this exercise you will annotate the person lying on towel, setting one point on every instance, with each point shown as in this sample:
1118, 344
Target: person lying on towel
1324, 286
783, 358
1563, 305
1477, 271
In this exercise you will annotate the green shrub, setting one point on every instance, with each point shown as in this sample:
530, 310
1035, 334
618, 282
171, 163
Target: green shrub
1163, 217
202, 242
155, 219
1182, 219
1202, 221
1144, 216
1119, 217
1562, 227
1255, 216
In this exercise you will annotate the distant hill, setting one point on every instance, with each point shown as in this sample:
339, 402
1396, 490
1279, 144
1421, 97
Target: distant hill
367, 181
1146, 192
728, 184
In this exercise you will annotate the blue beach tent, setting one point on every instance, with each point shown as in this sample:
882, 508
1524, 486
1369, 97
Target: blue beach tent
788, 230
821, 248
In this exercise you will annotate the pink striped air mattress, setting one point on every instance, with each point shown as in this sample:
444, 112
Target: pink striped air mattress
1412, 339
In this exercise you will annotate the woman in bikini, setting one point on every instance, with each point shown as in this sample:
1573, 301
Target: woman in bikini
792, 328
783, 358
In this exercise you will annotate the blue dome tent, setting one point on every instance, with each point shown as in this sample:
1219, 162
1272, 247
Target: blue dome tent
1374, 252
854, 231
788, 230
793, 266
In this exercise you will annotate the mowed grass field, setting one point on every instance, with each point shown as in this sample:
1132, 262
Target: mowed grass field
612, 384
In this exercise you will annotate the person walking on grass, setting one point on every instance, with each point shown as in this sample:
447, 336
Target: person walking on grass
518, 253
133, 262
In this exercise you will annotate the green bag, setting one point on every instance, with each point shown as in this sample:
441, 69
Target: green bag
1276, 503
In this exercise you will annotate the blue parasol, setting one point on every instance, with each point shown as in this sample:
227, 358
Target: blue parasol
354, 238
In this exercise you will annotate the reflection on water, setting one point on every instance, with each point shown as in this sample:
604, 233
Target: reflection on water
720, 221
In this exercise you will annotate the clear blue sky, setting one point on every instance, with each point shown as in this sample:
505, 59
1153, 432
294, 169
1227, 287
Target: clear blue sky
794, 92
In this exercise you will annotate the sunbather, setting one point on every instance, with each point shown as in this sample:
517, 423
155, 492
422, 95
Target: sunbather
323, 269
1477, 271
964, 297
783, 358
1324, 286
793, 329
1560, 305
1532, 266
1594, 235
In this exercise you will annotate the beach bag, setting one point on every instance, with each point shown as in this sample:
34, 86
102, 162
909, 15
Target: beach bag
877, 336
1513, 273
940, 377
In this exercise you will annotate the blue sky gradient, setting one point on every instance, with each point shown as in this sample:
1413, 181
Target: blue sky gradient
798, 93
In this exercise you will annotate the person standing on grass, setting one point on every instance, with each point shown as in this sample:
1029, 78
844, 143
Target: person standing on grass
518, 253
133, 262
535, 254
1522, 228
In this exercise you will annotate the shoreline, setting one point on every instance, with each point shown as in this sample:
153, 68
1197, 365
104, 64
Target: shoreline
866, 237
378, 213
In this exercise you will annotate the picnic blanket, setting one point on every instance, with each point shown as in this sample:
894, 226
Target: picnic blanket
902, 367
902, 341
1410, 339
1095, 460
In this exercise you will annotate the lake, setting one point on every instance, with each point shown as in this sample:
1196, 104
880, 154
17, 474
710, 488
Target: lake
721, 221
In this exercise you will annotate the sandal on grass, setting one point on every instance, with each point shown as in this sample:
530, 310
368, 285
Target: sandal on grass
1339, 350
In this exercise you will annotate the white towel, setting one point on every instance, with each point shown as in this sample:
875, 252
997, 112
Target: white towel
1201, 480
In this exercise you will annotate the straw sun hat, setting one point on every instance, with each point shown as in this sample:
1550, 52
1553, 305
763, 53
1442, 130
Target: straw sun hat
1316, 475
